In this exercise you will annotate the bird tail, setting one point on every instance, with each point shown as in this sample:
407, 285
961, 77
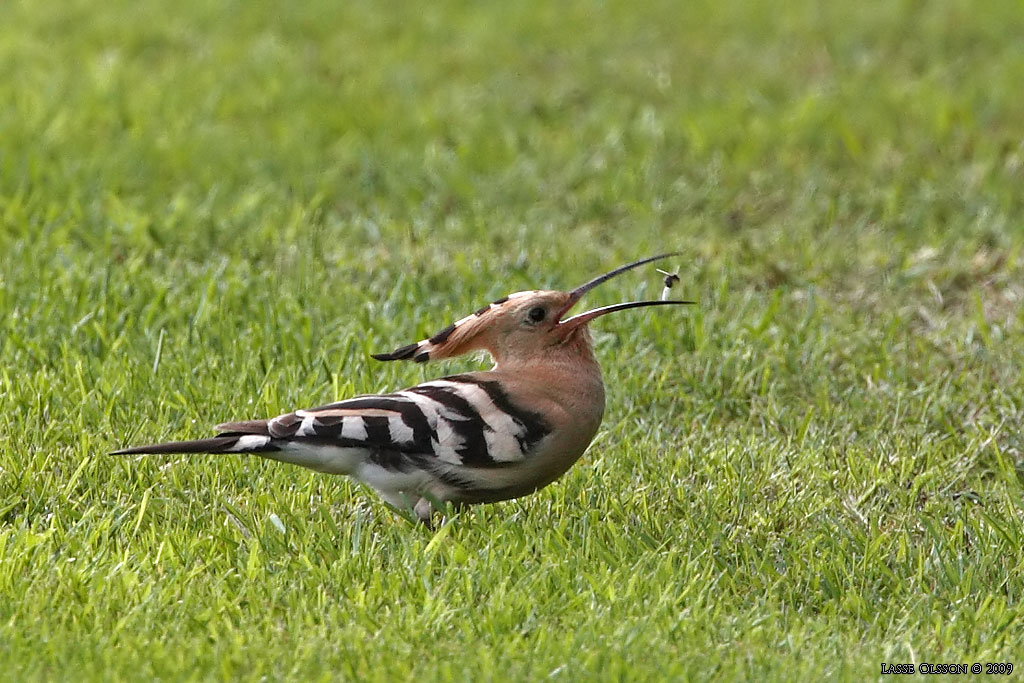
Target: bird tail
225, 443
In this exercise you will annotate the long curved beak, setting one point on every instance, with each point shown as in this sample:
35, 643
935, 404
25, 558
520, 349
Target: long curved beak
584, 318
577, 294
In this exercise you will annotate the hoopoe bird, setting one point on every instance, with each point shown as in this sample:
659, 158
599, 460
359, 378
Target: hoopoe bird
478, 437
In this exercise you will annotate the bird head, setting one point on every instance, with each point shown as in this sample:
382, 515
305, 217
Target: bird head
522, 325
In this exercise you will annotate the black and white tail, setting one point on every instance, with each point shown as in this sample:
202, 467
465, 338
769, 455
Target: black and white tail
236, 437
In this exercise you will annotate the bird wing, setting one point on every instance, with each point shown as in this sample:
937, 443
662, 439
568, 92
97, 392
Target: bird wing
464, 420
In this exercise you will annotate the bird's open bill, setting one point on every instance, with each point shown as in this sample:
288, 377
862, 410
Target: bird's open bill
585, 317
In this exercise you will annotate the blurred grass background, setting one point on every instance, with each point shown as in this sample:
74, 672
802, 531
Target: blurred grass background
217, 210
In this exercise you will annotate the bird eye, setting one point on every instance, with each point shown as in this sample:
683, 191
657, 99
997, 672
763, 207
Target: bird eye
536, 314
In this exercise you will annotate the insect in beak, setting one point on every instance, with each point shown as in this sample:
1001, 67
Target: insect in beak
670, 280
569, 324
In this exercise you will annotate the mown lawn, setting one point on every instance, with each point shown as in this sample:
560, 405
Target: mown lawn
218, 210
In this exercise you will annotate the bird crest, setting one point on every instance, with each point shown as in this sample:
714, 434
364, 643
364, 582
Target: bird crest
538, 314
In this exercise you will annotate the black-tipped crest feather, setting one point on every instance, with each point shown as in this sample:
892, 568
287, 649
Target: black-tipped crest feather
401, 353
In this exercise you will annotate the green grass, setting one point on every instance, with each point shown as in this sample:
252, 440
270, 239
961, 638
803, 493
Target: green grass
217, 210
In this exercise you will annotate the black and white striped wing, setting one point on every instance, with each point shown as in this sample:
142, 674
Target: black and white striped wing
461, 420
